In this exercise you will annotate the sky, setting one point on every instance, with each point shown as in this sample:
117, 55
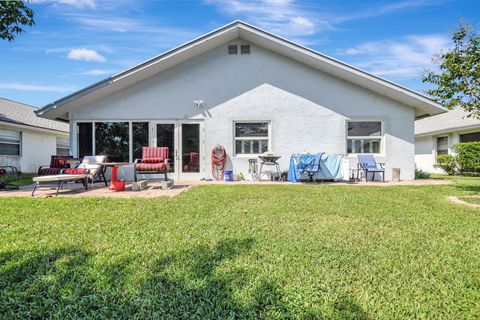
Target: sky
76, 43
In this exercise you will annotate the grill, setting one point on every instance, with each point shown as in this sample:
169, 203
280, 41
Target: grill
269, 159
272, 158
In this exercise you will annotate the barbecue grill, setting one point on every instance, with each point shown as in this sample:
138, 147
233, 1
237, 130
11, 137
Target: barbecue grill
269, 159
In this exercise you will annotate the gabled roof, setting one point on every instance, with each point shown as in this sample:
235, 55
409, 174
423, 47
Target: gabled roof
454, 120
238, 29
16, 113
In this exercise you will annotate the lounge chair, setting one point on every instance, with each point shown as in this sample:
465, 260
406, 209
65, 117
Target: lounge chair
57, 164
154, 160
8, 171
91, 166
367, 163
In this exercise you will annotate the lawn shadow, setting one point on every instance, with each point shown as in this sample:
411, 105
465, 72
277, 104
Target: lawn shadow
201, 283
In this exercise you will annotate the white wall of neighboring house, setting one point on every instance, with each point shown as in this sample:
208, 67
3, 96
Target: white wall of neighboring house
307, 109
36, 148
426, 149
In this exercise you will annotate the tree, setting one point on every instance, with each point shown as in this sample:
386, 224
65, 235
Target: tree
457, 83
14, 15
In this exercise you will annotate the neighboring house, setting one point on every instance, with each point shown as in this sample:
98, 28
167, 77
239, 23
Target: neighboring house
27, 141
436, 135
250, 91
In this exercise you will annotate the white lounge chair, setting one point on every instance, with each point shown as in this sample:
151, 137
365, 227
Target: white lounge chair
91, 166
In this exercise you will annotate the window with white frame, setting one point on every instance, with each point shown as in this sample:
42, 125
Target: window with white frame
442, 145
364, 136
251, 137
10, 142
63, 146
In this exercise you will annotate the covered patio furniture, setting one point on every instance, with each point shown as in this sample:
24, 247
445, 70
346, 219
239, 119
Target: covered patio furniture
154, 161
57, 164
8, 171
320, 166
58, 181
91, 166
367, 163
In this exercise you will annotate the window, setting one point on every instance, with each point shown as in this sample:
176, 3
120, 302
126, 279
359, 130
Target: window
251, 137
245, 49
470, 137
85, 139
139, 138
442, 145
10, 142
364, 136
63, 146
232, 49
111, 140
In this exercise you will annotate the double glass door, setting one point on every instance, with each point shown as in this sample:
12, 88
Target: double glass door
184, 140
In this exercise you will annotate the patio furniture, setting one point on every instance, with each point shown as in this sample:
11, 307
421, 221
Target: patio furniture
269, 159
310, 164
367, 163
57, 164
114, 166
8, 171
193, 162
93, 166
58, 181
154, 160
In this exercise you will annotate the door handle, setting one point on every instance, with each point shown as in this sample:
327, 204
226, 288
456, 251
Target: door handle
176, 153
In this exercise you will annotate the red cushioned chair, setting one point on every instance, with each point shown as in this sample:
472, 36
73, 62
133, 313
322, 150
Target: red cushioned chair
154, 160
57, 164
193, 163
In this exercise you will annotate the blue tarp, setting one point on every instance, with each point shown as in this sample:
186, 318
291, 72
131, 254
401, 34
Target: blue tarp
329, 166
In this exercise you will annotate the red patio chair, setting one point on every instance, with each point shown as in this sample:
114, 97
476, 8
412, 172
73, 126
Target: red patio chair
193, 163
57, 164
154, 160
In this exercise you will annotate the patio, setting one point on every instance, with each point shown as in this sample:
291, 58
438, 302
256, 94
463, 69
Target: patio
154, 188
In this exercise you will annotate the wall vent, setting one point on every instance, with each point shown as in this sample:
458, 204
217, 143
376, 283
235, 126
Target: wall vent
245, 49
233, 49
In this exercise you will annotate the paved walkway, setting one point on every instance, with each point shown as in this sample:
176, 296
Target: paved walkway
154, 188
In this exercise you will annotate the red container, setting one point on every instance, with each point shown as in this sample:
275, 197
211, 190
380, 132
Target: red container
119, 185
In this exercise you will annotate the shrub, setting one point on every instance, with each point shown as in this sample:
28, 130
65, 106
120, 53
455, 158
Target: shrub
448, 163
420, 174
468, 156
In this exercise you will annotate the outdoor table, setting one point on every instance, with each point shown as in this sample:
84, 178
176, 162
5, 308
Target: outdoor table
114, 166
59, 180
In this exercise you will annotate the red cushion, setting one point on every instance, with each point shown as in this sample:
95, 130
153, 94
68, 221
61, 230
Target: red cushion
153, 160
152, 167
154, 152
3, 171
59, 161
49, 171
76, 171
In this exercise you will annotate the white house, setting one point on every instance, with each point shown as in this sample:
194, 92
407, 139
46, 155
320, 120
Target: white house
27, 141
438, 134
250, 91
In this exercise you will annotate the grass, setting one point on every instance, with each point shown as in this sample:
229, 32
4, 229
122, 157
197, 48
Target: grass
25, 179
470, 200
247, 252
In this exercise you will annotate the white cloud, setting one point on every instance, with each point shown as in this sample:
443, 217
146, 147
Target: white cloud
401, 58
81, 4
34, 87
97, 72
279, 16
85, 55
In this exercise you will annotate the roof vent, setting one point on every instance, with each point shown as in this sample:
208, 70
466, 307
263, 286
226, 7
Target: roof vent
233, 49
245, 49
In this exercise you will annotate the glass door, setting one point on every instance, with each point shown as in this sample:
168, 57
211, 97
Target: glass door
184, 140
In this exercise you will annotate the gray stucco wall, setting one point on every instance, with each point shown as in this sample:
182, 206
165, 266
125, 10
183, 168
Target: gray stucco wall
307, 109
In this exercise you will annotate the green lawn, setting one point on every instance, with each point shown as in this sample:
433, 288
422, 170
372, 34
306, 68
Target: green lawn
243, 251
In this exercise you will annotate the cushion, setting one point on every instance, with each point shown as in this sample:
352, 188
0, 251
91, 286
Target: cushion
59, 161
153, 160
154, 152
75, 171
49, 171
154, 167
3, 171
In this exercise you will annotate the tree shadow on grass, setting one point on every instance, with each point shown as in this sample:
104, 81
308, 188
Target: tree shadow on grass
196, 284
